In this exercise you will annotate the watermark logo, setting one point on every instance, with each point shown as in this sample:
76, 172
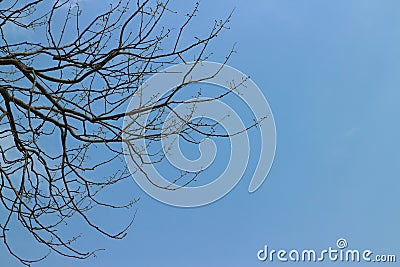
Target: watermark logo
154, 183
340, 253
341, 243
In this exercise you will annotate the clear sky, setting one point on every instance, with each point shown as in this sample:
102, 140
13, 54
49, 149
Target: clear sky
331, 73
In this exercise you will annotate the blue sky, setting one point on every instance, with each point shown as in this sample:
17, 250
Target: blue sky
330, 71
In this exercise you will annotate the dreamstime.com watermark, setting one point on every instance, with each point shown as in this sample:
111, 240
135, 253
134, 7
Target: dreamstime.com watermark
340, 253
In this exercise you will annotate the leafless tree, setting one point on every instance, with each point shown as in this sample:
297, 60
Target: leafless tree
63, 98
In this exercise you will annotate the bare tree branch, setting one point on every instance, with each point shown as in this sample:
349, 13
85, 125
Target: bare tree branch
70, 88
